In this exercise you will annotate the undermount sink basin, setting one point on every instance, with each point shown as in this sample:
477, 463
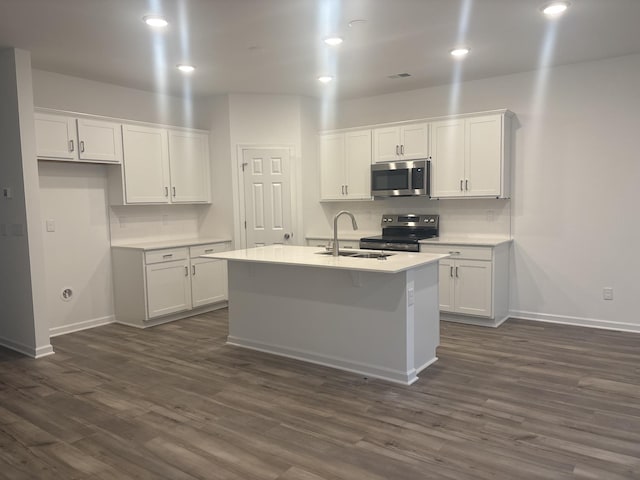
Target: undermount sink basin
346, 253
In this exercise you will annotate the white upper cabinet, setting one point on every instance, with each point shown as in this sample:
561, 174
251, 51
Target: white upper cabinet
401, 142
471, 157
345, 166
189, 165
67, 138
99, 141
146, 164
56, 137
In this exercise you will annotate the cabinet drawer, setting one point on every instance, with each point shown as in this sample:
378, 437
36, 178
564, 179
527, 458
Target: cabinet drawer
166, 255
460, 251
198, 250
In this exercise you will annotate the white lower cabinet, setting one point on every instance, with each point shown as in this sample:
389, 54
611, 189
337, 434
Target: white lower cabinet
474, 282
156, 286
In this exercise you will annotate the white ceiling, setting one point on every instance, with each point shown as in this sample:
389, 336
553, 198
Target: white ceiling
275, 46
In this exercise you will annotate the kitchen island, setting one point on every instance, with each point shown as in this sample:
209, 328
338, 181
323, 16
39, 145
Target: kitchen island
378, 318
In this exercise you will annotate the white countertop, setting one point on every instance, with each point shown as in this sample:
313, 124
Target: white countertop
308, 257
485, 241
157, 245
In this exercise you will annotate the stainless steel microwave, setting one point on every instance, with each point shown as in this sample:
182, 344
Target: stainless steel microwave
410, 178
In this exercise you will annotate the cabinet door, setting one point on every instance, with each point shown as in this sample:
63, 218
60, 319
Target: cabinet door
208, 281
386, 144
415, 141
168, 288
483, 157
332, 168
99, 141
358, 164
55, 137
189, 161
446, 285
473, 287
146, 164
447, 163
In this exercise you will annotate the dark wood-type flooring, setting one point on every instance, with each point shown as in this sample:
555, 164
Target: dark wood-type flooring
525, 401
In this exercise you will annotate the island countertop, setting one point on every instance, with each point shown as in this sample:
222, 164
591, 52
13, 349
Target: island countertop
309, 257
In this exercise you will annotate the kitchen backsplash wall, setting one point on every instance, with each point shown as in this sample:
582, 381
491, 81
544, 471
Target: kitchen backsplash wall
490, 217
134, 224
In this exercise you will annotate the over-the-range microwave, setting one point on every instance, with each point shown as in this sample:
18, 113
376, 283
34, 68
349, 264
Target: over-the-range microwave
409, 178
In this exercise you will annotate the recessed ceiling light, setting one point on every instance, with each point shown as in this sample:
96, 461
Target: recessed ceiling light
333, 41
155, 21
555, 8
459, 52
325, 78
186, 68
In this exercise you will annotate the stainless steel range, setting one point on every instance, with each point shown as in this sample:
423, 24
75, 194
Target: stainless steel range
403, 232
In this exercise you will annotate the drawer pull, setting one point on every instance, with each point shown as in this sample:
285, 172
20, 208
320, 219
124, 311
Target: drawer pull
168, 255
208, 250
451, 252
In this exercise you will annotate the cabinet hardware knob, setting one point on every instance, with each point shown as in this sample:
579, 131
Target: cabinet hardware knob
457, 273
451, 271
461, 185
401, 149
208, 250
166, 191
71, 146
466, 184
397, 149
193, 270
174, 191
82, 146
168, 255
346, 189
342, 189
452, 252
186, 271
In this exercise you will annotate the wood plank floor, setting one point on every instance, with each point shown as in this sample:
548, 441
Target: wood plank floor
525, 401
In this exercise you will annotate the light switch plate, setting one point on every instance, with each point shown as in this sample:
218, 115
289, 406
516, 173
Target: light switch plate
51, 225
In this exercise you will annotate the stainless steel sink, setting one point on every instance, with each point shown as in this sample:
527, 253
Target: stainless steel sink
341, 253
347, 253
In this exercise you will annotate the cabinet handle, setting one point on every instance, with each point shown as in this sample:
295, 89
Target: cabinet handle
174, 191
457, 273
452, 252
186, 271
451, 271
193, 270
166, 191
397, 149
342, 189
466, 184
346, 189
401, 149
71, 146
208, 250
461, 181
82, 146
168, 255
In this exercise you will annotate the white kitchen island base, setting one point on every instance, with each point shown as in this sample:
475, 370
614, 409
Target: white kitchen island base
374, 323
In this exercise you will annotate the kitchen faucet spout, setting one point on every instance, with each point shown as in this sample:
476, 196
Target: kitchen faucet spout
335, 228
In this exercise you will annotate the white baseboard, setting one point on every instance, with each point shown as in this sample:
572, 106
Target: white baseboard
76, 327
575, 321
395, 376
27, 350
470, 320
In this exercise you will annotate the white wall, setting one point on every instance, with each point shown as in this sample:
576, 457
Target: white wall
24, 325
576, 177
77, 253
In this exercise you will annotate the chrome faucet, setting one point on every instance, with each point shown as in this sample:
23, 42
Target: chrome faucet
335, 229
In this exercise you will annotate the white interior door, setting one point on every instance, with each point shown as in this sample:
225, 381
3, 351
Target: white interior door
267, 196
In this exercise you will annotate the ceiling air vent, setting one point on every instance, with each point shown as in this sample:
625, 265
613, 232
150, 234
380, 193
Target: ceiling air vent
399, 75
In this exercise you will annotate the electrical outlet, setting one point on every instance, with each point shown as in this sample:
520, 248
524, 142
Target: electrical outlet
607, 293
51, 225
410, 297
6, 192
